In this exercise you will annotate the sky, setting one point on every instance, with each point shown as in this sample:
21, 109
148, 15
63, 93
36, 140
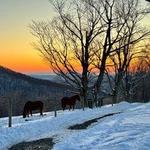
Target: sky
16, 50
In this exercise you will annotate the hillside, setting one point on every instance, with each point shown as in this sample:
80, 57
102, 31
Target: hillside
21, 88
27, 78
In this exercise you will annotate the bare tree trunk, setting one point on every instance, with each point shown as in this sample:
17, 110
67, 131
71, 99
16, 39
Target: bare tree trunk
117, 86
85, 77
82, 101
115, 95
99, 82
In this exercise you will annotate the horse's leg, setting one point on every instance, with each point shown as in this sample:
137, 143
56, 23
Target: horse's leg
73, 107
31, 112
69, 107
27, 113
41, 111
63, 107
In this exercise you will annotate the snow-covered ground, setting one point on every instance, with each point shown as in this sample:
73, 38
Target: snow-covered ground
129, 130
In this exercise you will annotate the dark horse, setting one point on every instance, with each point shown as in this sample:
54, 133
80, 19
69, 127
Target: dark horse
71, 101
29, 106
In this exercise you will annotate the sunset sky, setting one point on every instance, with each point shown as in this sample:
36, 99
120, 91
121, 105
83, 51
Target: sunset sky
16, 50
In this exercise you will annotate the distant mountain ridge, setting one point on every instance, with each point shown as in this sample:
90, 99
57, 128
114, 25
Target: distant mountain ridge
51, 77
30, 78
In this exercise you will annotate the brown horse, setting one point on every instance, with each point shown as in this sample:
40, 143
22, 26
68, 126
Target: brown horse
29, 106
71, 101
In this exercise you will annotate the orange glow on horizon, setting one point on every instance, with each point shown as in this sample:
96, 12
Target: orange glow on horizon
16, 51
22, 57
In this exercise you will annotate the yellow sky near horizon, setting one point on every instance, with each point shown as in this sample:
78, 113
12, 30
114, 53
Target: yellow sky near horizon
18, 54
16, 50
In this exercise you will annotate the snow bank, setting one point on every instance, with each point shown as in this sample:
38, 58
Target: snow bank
115, 131
126, 131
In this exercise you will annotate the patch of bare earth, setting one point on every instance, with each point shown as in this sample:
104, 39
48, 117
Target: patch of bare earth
42, 144
86, 124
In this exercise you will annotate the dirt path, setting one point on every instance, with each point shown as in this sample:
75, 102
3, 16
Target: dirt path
48, 143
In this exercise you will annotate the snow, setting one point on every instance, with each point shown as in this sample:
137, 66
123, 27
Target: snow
125, 131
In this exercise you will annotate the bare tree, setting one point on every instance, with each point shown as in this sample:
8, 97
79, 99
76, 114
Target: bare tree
122, 24
85, 35
107, 11
67, 41
140, 76
130, 39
